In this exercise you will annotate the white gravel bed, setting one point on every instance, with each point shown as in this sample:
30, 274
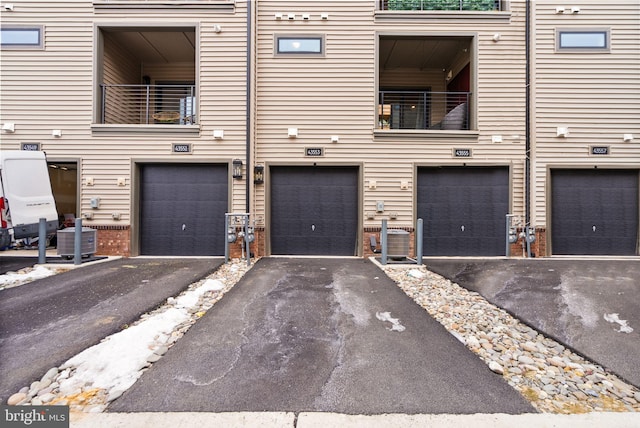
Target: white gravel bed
554, 379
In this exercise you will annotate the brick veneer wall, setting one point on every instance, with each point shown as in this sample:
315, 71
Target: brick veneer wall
113, 240
376, 231
538, 247
256, 247
116, 241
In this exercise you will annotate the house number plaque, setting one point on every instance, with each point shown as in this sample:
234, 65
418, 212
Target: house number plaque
181, 148
31, 147
599, 150
314, 151
462, 153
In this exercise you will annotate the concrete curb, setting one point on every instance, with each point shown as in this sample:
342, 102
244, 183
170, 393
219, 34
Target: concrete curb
183, 420
324, 420
542, 420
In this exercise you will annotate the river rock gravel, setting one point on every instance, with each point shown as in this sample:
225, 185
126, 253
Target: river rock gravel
65, 386
553, 378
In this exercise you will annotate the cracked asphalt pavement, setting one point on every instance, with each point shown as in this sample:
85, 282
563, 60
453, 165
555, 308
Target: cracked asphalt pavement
46, 322
298, 334
567, 299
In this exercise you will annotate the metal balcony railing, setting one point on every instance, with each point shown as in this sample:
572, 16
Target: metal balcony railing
426, 5
423, 110
149, 104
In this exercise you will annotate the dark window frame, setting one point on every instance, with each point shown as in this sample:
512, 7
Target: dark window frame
302, 53
39, 29
562, 47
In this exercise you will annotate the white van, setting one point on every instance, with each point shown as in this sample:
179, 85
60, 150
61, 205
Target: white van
25, 196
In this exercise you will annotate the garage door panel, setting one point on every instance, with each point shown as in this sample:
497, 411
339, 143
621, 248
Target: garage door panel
463, 209
314, 210
182, 209
594, 212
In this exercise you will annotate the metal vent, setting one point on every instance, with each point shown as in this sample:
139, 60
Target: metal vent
397, 244
66, 242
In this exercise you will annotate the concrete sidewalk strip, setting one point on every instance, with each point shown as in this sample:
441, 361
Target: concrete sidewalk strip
493, 420
183, 420
325, 420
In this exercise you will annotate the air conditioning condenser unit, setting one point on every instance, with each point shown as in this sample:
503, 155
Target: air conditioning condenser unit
397, 244
66, 242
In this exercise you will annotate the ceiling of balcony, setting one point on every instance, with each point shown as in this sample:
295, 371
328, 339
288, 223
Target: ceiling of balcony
157, 46
178, 45
421, 52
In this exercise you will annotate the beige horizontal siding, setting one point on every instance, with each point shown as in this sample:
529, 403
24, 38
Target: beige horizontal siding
596, 95
337, 95
54, 89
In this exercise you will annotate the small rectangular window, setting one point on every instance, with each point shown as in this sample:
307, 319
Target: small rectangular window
21, 37
582, 40
300, 45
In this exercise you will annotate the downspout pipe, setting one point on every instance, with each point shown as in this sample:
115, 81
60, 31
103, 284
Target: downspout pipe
248, 111
527, 132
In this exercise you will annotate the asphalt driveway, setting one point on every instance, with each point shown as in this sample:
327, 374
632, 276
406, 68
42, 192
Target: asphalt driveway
327, 335
12, 263
46, 322
584, 304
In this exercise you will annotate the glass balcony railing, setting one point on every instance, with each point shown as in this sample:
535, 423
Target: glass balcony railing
423, 110
149, 104
452, 5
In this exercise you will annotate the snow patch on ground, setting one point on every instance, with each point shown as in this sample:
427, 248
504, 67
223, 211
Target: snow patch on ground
191, 299
395, 322
116, 362
93, 378
13, 279
615, 318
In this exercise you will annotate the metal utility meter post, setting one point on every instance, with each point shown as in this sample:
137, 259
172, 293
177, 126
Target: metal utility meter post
237, 226
511, 232
530, 237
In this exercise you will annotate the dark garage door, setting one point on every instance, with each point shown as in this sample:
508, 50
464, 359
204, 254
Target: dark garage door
594, 211
314, 210
182, 209
463, 210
